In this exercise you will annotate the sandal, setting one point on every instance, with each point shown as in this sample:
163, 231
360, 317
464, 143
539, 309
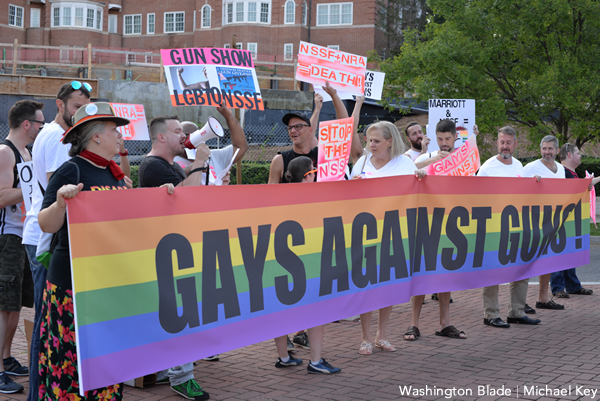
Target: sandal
583, 291
412, 331
385, 345
561, 294
365, 348
451, 332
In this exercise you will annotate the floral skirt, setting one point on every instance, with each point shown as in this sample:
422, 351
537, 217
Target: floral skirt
58, 354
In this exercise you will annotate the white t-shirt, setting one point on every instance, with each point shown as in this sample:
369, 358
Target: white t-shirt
400, 165
538, 168
426, 156
413, 154
495, 168
49, 154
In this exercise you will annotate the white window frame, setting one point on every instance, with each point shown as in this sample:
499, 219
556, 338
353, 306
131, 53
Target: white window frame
131, 58
88, 19
252, 47
64, 54
231, 16
286, 56
60, 20
205, 11
35, 17
112, 26
83, 17
334, 47
133, 24
16, 10
325, 9
150, 24
227, 46
239, 46
148, 59
304, 13
289, 12
175, 30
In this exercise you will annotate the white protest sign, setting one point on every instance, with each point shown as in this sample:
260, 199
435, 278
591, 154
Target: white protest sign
373, 88
223, 173
25, 170
461, 111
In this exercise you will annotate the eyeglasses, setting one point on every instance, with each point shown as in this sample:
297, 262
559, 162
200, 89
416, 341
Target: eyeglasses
296, 127
309, 172
77, 85
41, 123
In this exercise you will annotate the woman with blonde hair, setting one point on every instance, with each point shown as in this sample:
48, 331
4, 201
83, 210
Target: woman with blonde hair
384, 159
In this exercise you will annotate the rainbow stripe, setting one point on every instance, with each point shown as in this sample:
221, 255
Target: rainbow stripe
338, 241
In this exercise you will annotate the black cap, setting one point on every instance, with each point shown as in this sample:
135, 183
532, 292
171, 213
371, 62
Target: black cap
286, 119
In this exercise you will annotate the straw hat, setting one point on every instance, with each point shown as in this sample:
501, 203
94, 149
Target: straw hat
92, 112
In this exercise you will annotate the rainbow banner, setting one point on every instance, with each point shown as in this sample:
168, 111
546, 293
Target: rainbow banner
161, 280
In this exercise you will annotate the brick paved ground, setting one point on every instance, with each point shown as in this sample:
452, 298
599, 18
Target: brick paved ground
563, 350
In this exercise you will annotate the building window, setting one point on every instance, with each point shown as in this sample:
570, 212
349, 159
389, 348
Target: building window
335, 47
290, 11
334, 14
112, 23
150, 25
15, 15
252, 48
35, 18
206, 16
227, 46
83, 16
130, 59
133, 24
304, 13
238, 46
148, 59
64, 55
288, 51
247, 11
174, 22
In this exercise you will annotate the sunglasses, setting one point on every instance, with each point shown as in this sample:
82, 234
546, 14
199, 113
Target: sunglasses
77, 85
41, 123
309, 172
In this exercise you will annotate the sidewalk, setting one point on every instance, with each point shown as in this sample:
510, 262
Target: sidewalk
563, 350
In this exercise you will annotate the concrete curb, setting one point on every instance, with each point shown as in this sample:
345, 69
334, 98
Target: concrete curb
594, 239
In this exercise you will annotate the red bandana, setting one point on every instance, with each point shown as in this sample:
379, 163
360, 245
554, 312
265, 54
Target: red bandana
102, 162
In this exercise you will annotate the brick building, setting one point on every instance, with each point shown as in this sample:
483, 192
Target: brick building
268, 28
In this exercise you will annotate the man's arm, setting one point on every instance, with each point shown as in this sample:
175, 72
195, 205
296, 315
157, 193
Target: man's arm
356, 150
422, 162
238, 137
340, 109
276, 170
314, 120
8, 195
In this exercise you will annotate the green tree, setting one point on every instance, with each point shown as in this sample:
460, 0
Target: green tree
534, 62
394, 17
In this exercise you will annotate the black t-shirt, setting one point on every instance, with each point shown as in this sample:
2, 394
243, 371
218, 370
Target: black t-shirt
290, 155
93, 179
156, 171
570, 174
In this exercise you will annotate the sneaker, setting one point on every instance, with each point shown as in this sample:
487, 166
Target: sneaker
13, 367
191, 390
323, 367
290, 345
529, 310
301, 340
8, 386
211, 358
291, 362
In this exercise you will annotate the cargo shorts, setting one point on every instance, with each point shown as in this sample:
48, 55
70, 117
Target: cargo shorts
16, 282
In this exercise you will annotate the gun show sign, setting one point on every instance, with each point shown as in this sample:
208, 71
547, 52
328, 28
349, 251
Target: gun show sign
211, 76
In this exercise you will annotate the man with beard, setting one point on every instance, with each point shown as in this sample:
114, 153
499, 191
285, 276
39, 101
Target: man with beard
48, 155
445, 132
546, 167
418, 140
504, 165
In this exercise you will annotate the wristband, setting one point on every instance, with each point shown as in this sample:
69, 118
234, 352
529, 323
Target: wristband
124, 153
197, 169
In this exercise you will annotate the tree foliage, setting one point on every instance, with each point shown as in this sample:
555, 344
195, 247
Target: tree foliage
534, 62
394, 17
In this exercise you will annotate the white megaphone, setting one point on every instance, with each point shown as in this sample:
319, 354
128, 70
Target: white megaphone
211, 129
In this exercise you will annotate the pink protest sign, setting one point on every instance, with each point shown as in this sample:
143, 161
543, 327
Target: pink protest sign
138, 127
211, 56
464, 161
592, 200
343, 71
335, 138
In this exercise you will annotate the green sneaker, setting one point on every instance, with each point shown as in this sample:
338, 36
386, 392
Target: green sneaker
191, 390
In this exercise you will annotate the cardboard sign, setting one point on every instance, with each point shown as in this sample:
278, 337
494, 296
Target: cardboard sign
25, 170
464, 161
373, 88
461, 111
344, 71
138, 127
248, 270
335, 139
210, 76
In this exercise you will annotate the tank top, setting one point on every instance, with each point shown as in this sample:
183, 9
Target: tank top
13, 216
290, 155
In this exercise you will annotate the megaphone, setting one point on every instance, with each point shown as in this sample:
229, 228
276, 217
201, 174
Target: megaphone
211, 129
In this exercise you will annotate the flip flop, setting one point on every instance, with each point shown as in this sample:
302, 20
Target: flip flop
451, 332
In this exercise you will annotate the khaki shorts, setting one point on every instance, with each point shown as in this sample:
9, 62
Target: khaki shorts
16, 282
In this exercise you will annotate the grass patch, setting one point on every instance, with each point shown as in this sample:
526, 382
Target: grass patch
594, 230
